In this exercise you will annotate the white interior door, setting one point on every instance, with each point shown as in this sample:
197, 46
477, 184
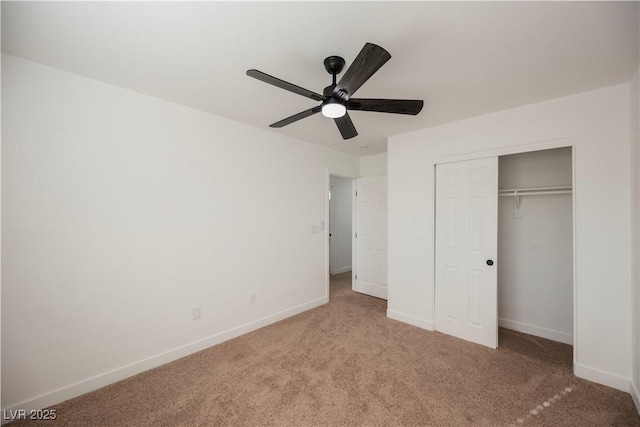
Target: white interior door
371, 236
466, 301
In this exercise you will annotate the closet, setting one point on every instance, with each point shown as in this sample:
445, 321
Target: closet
535, 243
504, 246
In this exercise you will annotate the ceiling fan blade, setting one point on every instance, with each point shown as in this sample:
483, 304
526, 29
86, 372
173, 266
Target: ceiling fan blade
368, 61
284, 85
296, 117
397, 106
347, 129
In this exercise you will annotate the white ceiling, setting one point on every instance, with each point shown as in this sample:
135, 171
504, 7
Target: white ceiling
463, 58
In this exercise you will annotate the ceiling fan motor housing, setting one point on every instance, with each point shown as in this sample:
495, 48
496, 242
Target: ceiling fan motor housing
331, 92
335, 104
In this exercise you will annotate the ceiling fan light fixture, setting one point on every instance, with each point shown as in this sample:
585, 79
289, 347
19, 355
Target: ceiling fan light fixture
333, 109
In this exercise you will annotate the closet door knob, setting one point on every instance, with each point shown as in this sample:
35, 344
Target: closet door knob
489, 262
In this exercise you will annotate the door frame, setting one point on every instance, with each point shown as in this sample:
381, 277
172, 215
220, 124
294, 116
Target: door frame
329, 174
505, 151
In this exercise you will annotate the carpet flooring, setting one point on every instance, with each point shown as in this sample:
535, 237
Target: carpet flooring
347, 364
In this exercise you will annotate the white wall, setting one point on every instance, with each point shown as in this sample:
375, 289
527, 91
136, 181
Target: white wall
543, 168
340, 224
122, 212
375, 165
597, 122
635, 233
535, 251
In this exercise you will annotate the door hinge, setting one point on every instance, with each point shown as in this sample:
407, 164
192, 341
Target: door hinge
356, 277
356, 235
356, 193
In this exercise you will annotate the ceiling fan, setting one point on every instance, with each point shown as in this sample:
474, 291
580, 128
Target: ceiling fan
336, 98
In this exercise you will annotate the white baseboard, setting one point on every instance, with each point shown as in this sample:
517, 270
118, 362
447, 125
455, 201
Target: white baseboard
412, 320
110, 377
537, 331
341, 270
601, 377
633, 390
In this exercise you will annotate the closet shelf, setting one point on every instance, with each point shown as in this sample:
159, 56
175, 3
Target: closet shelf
537, 191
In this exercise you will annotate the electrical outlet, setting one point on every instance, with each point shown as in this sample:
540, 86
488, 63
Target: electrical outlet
196, 312
252, 298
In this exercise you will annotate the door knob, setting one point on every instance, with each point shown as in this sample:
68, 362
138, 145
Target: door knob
489, 262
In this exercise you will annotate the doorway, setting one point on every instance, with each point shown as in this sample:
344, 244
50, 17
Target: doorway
340, 224
535, 244
504, 246
340, 221
357, 232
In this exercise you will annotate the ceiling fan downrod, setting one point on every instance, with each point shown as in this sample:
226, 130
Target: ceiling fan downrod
334, 106
334, 66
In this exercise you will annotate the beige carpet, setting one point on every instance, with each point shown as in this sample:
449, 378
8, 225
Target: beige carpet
346, 364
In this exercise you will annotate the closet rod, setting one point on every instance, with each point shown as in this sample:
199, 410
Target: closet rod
540, 191
535, 189
533, 193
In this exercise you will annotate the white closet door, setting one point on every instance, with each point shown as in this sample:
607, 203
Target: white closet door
466, 249
371, 236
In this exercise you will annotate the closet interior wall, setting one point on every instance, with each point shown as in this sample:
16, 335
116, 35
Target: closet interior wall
535, 244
